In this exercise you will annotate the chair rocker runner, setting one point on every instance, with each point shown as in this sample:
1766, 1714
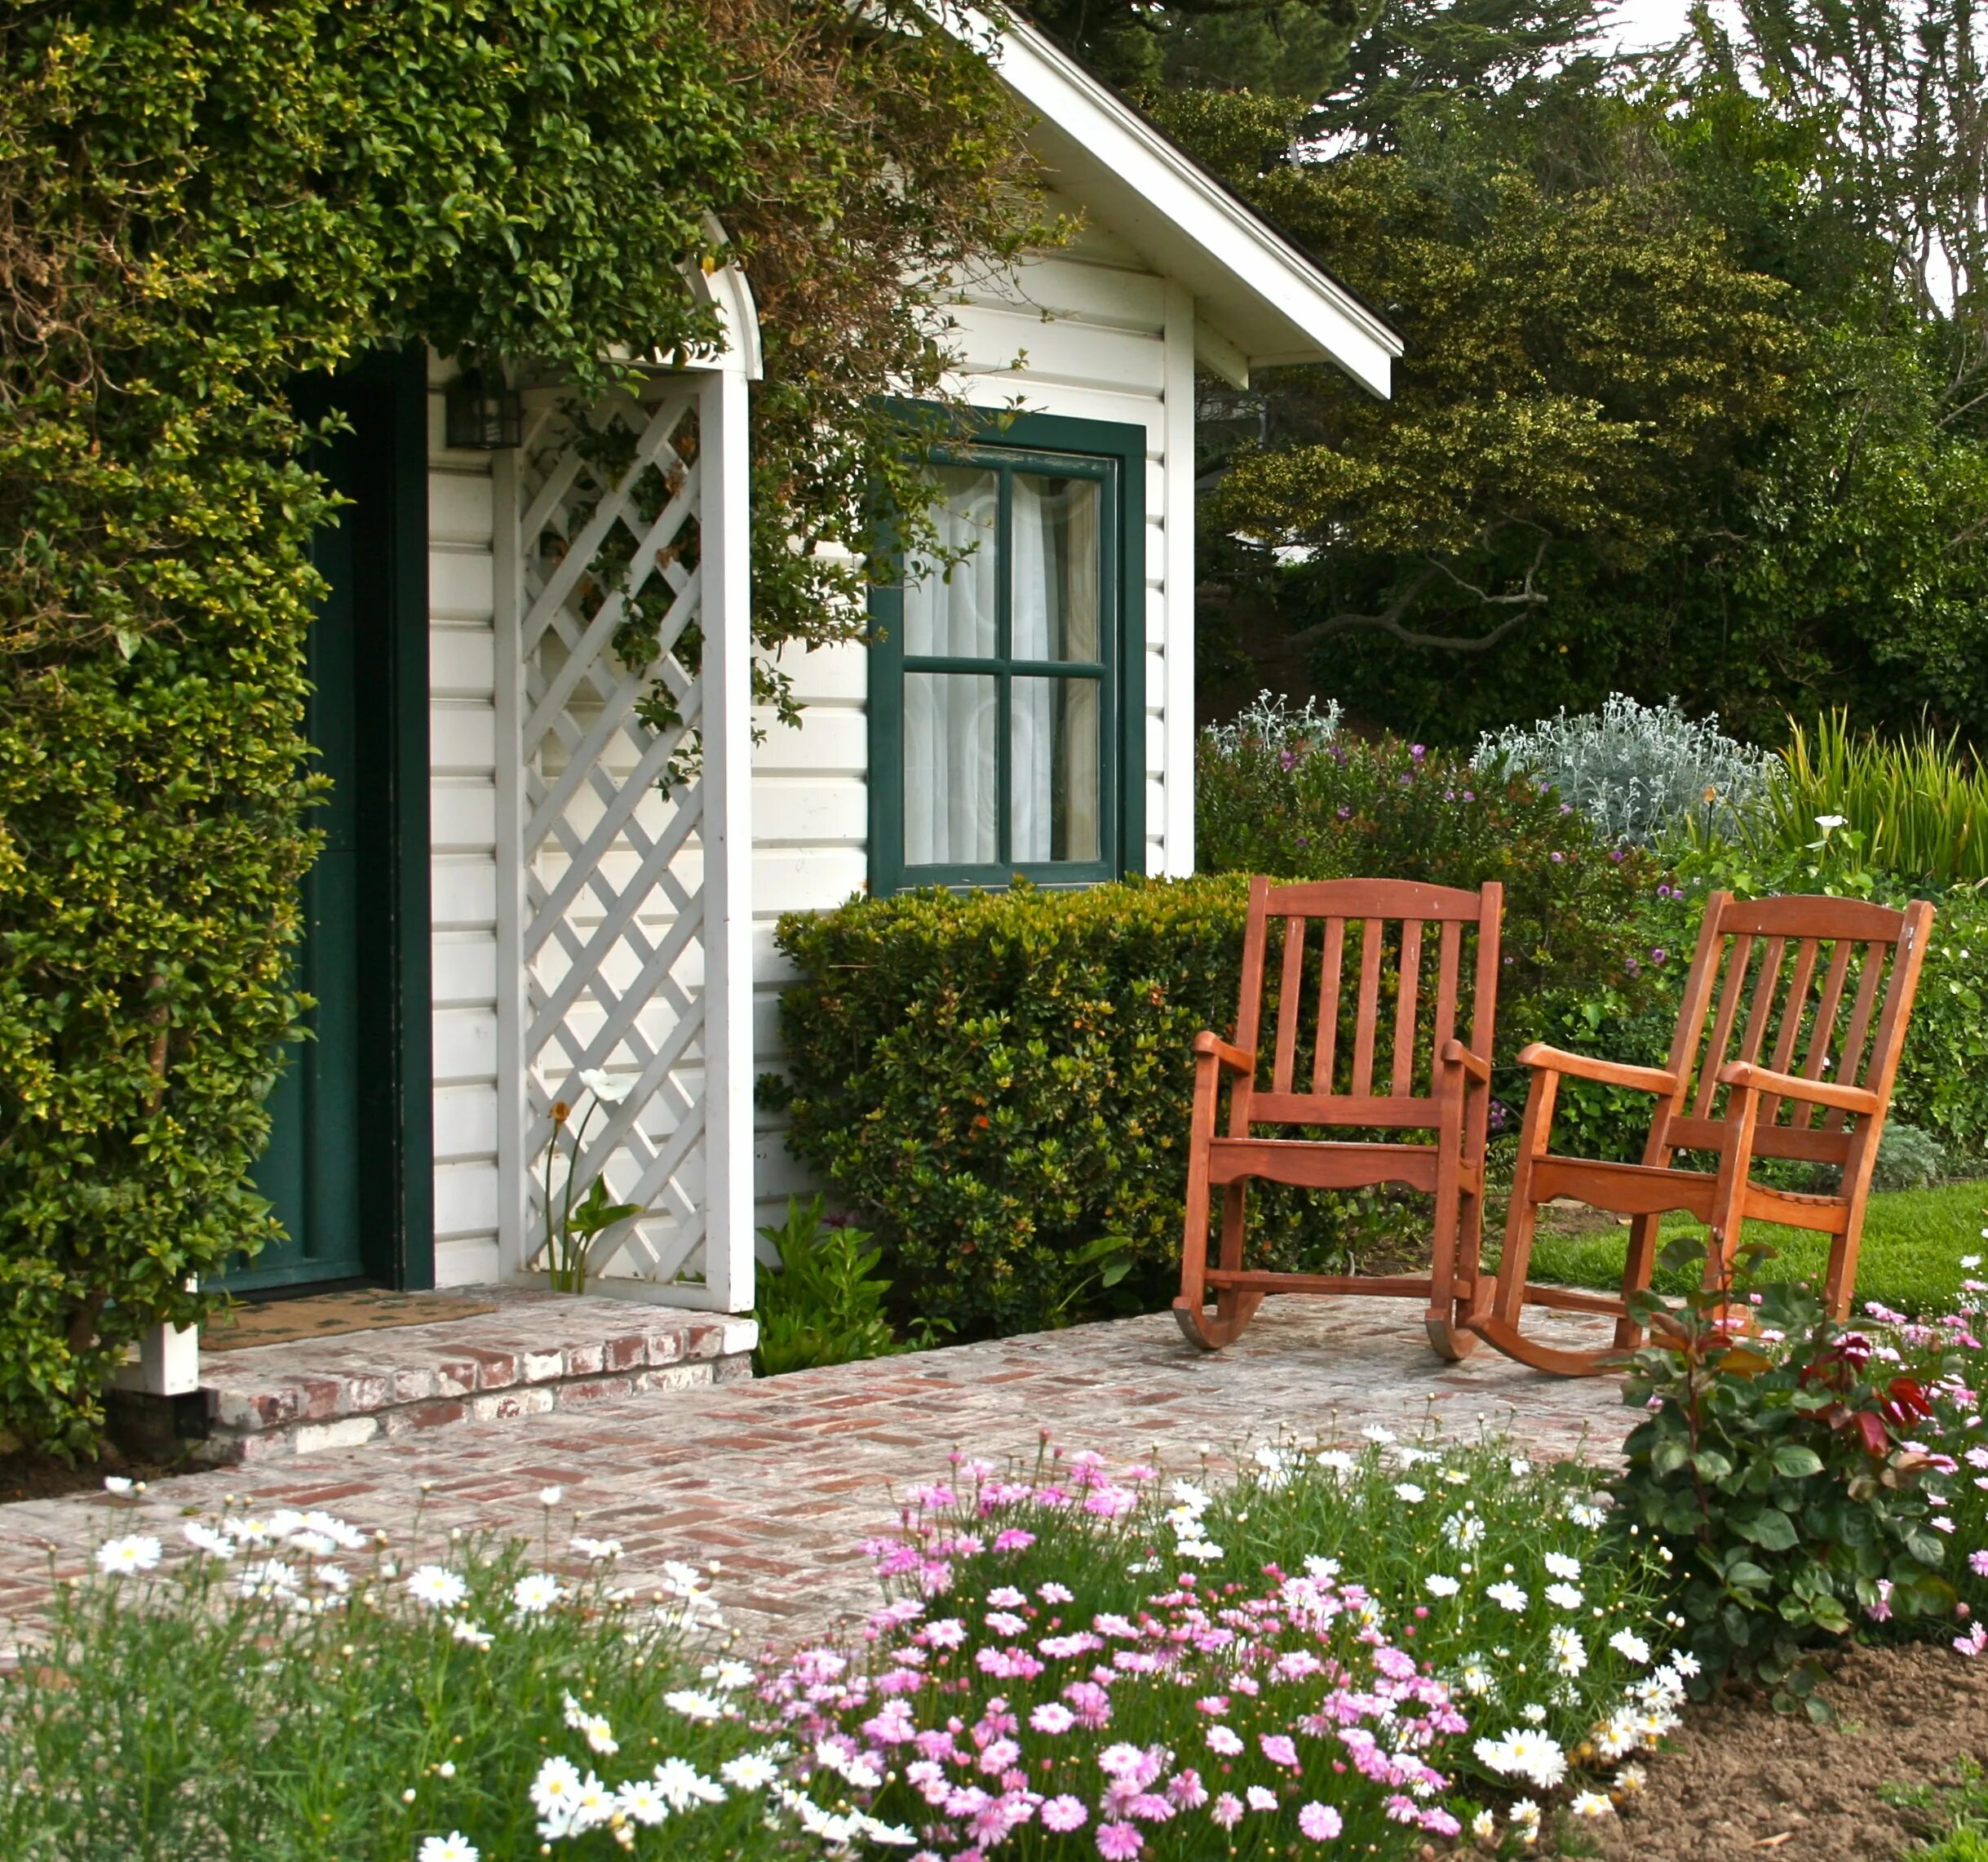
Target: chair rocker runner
1823, 988
1321, 1068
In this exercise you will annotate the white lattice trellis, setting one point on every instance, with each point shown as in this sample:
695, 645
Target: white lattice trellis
630, 914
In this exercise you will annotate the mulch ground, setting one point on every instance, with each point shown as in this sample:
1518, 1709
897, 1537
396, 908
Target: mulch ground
1739, 1779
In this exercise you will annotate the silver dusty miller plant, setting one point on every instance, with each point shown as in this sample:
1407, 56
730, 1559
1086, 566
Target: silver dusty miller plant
1272, 724
1638, 772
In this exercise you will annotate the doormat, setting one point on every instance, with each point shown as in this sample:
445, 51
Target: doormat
326, 1315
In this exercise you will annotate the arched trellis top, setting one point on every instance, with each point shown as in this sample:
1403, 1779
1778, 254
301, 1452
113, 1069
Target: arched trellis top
725, 288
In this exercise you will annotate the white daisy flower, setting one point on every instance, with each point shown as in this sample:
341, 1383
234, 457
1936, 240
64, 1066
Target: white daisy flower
535, 1594
136, 1552
1565, 1596
1590, 1804
641, 1801
595, 1551
1508, 1596
1437, 1584
1630, 1646
694, 1705
683, 1784
1558, 1564
1409, 1493
266, 1577
205, 1539
454, 1847
474, 1634
727, 1676
749, 1771
118, 1484
436, 1586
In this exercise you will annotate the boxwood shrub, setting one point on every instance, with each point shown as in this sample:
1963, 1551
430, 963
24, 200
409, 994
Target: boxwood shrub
997, 1078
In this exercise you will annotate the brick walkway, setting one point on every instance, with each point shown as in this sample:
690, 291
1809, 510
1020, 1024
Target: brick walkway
779, 1479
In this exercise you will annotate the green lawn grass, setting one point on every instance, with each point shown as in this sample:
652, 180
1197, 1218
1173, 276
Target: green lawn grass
1912, 1242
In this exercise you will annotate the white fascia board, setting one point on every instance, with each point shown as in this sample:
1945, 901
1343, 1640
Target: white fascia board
1252, 285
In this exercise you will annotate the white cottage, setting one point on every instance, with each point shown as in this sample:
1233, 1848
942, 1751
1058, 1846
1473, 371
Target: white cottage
509, 898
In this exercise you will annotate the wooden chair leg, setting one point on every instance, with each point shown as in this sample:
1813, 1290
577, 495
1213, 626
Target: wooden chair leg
1448, 1337
1636, 1269
1495, 1318
1233, 1309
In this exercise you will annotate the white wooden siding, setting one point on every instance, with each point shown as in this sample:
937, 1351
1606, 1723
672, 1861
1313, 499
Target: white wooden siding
1096, 337
462, 850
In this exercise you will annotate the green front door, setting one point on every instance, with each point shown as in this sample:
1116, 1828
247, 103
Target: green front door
348, 1160
311, 1172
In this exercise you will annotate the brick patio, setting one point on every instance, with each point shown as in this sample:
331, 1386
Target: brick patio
779, 1479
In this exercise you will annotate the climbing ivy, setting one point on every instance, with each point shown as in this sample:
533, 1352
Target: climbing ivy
201, 200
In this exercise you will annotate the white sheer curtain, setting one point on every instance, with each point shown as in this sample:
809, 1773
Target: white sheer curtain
1054, 592
951, 804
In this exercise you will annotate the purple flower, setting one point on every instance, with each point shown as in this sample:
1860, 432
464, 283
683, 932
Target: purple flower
1320, 1822
1500, 1115
1417, 750
1286, 759
1558, 858
1617, 855
1119, 1842
1470, 795
1657, 956
1345, 815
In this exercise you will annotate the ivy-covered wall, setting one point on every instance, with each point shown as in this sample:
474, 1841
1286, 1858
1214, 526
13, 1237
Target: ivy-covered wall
199, 200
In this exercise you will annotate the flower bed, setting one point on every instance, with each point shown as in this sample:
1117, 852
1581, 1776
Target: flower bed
1338, 1650
1366, 1650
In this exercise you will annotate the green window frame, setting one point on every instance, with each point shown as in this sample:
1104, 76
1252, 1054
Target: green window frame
1113, 455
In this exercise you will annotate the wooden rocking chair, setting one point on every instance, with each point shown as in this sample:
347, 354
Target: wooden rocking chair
1845, 1009
1436, 1084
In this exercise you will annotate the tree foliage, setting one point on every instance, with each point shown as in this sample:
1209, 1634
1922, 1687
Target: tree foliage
200, 200
1695, 397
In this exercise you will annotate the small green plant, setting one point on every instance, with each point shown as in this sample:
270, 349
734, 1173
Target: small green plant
1775, 1466
1095, 1268
825, 1304
569, 1237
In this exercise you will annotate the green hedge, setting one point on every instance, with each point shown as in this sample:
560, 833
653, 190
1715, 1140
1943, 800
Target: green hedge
997, 1078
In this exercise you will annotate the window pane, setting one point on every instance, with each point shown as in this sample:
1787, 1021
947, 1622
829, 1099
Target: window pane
951, 797
1056, 591
956, 614
1056, 770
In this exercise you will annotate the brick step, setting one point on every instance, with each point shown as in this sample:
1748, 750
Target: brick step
537, 1352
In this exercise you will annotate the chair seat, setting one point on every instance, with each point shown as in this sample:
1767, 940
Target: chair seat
1322, 1164
1646, 1190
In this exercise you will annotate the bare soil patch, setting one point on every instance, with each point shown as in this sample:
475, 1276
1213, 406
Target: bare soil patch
1739, 1779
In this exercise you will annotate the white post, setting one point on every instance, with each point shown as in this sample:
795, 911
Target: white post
725, 534
513, 1167
1177, 728
168, 1360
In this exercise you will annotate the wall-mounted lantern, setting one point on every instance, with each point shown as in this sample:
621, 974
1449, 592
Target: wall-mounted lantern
481, 414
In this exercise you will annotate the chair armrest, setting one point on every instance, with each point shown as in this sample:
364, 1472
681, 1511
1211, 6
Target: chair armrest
1745, 1076
1455, 1053
1609, 1072
1236, 1060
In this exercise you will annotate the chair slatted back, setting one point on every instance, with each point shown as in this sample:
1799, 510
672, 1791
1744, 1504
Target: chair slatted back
1820, 988
1401, 947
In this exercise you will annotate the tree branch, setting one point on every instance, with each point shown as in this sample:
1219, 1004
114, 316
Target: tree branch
1522, 600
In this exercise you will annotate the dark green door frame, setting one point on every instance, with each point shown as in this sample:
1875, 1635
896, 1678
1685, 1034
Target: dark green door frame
376, 1118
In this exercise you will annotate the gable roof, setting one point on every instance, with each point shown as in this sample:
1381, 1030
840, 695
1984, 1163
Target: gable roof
1253, 287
